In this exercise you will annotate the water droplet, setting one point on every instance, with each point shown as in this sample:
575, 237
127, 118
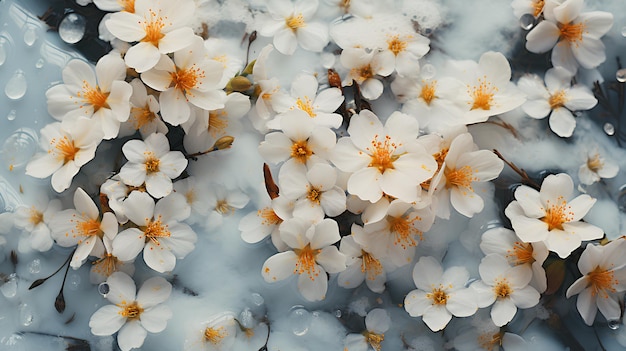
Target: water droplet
614, 324
257, 299
39, 63
12, 114
623, 31
16, 86
299, 319
246, 318
428, 71
4, 50
621, 198
72, 28
620, 75
609, 129
527, 21
103, 289
427, 31
338, 313
20, 146
34, 266
73, 281
9, 288
30, 36
26, 315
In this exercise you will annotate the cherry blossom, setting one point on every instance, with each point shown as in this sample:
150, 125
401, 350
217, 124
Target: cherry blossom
362, 263
36, 221
144, 113
377, 322
132, 314
264, 222
595, 168
363, 68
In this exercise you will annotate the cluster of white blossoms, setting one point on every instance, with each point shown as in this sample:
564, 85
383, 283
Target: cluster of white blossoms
358, 187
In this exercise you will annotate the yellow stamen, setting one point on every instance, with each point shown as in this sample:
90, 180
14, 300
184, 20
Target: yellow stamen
595, 163
502, 289
269, 216
362, 73
127, 5
306, 262
67, 150
131, 311
314, 195
94, 97
428, 91
370, 265
214, 335
404, 231
223, 207
142, 116
482, 94
295, 22
90, 227
461, 177
155, 230
106, 265
154, 28
521, 253
557, 214
382, 153
571, 32
558, 99
602, 282
35, 217
152, 163
300, 151
218, 122
395, 45
306, 105
489, 341
538, 7
374, 339
186, 79
438, 295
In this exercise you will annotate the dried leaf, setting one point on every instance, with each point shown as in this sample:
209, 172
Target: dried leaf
555, 273
37, 282
270, 186
59, 302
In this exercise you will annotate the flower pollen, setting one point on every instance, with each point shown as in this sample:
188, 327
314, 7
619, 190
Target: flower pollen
404, 231
222, 207
488, 341
154, 28
131, 311
152, 163
537, 6
186, 79
94, 97
595, 163
370, 265
214, 335
306, 105
557, 214
300, 151
461, 177
295, 22
428, 92
602, 282
572, 32
438, 295
557, 99
382, 153
482, 94
127, 5
374, 339
521, 253
90, 227
314, 195
142, 116
502, 289
35, 217
106, 265
269, 216
217, 123
67, 150
155, 230
306, 261
395, 45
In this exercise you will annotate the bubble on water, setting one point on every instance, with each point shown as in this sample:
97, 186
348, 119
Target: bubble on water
34, 266
527, 21
72, 28
621, 198
614, 324
428, 71
12, 115
9, 288
620, 75
20, 147
27, 316
338, 313
4, 50
30, 36
103, 289
246, 318
257, 299
300, 320
609, 129
16, 86
623, 31
39, 63
73, 281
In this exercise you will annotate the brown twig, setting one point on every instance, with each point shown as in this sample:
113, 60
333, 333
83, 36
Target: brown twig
506, 126
522, 173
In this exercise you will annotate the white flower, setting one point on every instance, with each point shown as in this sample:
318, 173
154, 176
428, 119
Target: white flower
190, 78
362, 264
377, 322
152, 162
304, 96
404, 49
604, 278
364, 66
504, 287
36, 221
134, 315
291, 24
217, 334
84, 227
484, 335
439, 294
115, 5
160, 234
144, 113
462, 169
551, 216
223, 202
489, 89
312, 254
158, 27
108, 263
595, 168
557, 99
575, 36
314, 190
258, 225
66, 150
194, 192
116, 192
301, 141
103, 96
533, 7
531, 255
383, 158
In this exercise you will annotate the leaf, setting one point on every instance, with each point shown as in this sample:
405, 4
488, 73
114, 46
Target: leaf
270, 186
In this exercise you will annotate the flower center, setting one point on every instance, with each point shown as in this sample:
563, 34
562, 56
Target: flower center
106, 265
155, 230
142, 116
295, 22
35, 217
223, 207
538, 7
374, 339
131, 311
90, 227
489, 341
66, 148
595, 163
482, 94
314, 195
300, 151
152, 163
94, 97
154, 28
396, 45
186, 79
572, 32
127, 5
306, 105
214, 335
269, 216
502, 289
521, 253
362, 73
438, 296
557, 99
557, 214
602, 282
428, 92
217, 123
461, 177
306, 261
370, 265
403, 230
382, 153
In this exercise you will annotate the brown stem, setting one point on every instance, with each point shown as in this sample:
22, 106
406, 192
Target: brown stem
522, 173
